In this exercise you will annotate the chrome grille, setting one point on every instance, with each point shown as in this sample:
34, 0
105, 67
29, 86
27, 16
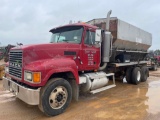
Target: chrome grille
15, 63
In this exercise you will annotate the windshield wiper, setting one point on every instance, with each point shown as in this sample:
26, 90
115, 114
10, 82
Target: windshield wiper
66, 41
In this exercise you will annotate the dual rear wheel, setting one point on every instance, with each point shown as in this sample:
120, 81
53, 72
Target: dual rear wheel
135, 75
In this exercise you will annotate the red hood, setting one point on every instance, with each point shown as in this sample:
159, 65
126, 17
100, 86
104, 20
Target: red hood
46, 51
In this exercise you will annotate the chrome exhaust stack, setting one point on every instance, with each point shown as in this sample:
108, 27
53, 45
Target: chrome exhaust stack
106, 43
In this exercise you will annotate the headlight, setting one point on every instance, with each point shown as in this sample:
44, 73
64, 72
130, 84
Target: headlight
28, 76
34, 77
6, 69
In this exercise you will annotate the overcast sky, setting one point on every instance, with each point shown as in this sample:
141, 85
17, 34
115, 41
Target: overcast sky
29, 21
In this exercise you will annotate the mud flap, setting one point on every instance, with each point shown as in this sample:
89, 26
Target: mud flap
75, 90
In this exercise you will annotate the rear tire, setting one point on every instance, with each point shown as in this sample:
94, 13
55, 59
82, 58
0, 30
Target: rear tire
144, 73
136, 75
129, 75
55, 97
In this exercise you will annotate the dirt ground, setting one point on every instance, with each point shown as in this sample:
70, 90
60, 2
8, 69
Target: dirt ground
124, 102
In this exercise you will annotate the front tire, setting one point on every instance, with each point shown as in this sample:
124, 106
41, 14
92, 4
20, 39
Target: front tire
55, 97
136, 75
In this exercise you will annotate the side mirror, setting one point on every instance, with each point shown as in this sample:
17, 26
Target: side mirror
98, 35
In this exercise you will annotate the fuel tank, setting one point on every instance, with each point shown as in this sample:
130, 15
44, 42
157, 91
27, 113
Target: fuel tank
94, 81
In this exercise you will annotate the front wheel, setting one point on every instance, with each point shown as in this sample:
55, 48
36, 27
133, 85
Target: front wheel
55, 97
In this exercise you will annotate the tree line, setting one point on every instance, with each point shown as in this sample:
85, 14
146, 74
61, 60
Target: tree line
153, 53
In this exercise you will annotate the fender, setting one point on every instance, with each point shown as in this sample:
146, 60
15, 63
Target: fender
48, 67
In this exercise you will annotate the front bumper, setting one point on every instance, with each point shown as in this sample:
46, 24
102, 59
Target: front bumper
28, 95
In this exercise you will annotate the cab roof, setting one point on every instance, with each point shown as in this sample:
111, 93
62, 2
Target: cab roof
77, 24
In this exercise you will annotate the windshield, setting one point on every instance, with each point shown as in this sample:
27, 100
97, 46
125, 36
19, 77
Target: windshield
69, 34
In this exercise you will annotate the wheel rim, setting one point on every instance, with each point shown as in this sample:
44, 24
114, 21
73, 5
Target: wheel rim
138, 76
58, 97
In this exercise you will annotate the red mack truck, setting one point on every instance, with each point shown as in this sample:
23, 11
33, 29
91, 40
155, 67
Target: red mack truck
80, 58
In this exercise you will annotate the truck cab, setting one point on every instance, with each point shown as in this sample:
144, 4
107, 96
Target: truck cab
86, 55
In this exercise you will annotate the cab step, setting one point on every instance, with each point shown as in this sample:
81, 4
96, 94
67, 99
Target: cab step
102, 89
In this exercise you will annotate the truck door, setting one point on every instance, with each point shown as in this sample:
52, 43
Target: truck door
90, 53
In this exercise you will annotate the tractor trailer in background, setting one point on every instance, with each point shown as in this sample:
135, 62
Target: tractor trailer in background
80, 58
